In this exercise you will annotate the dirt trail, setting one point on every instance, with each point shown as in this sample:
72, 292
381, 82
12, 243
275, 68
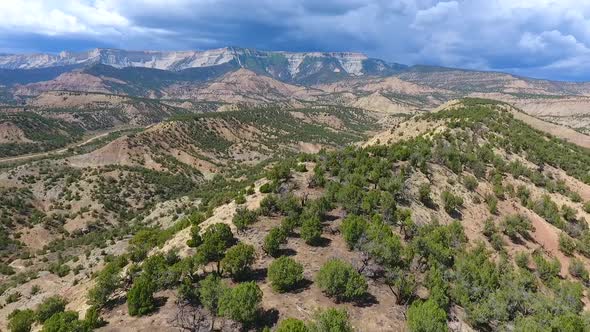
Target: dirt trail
62, 150
568, 134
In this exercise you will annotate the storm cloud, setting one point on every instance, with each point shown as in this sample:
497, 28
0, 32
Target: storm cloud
538, 38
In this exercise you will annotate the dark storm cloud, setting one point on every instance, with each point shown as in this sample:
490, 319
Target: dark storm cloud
542, 38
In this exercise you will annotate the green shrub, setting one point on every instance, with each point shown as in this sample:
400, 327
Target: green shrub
353, 227
195, 239
240, 199
244, 218
266, 188
289, 223
575, 197
522, 259
107, 281
311, 230
238, 259
269, 205
547, 209
578, 270
140, 298
569, 213
21, 320
515, 225
285, 274
292, 325
470, 182
49, 307
331, 320
210, 291
587, 207
523, 194
13, 297
426, 317
273, 240
547, 270
424, 193
492, 203
6, 269
339, 279
567, 245
451, 202
301, 168
64, 321
216, 239
241, 303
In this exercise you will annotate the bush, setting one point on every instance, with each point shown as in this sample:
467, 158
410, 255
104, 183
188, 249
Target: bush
284, 274
451, 202
340, 280
522, 259
243, 218
216, 239
240, 199
567, 245
470, 182
13, 297
353, 227
238, 259
492, 203
21, 320
64, 321
266, 188
289, 223
547, 209
524, 194
273, 240
301, 168
424, 193
578, 270
311, 230
546, 270
195, 239
49, 307
140, 298
210, 291
517, 225
6, 269
331, 320
292, 325
569, 213
279, 172
269, 205
241, 303
587, 207
107, 281
426, 317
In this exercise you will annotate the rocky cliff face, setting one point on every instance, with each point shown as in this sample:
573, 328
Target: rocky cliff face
287, 65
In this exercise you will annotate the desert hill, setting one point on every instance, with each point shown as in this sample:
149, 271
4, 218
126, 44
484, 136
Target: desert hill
467, 218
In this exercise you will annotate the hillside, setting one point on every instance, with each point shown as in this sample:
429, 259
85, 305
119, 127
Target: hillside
464, 218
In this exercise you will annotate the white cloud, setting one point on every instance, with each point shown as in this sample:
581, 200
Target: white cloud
436, 14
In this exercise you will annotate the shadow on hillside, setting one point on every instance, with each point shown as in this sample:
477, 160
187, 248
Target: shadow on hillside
367, 300
303, 285
287, 252
257, 275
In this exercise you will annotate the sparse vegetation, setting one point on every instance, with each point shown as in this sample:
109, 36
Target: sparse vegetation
341, 281
285, 274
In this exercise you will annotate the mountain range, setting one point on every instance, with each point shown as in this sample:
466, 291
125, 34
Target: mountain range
286, 66
102, 89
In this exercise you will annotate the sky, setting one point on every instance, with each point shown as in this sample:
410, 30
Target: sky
536, 38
